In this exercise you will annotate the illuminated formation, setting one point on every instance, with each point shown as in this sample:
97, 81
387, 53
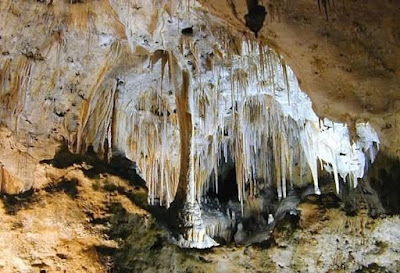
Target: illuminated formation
182, 104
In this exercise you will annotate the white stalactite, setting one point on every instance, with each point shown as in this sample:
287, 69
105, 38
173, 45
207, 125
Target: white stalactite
247, 105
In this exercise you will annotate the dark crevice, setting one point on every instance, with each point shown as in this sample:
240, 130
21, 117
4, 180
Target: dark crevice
372, 268
255, 17
384, 177
187, 31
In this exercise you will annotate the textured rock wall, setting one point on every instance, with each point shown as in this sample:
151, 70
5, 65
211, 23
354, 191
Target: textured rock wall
54, 58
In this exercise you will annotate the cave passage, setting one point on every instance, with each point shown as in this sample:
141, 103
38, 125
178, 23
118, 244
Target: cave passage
227, 187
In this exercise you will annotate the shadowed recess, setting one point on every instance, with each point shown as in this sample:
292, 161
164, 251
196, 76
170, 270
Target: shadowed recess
119, 165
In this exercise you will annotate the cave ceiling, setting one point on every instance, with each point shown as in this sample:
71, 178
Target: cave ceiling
346, 55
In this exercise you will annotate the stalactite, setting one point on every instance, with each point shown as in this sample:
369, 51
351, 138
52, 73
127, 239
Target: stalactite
243, 104
87, 106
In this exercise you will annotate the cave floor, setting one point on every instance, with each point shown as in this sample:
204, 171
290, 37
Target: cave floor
102, 224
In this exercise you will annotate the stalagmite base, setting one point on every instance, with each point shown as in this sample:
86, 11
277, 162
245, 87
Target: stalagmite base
193, 229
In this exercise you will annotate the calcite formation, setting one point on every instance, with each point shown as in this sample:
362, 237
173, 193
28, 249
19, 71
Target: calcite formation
128, 77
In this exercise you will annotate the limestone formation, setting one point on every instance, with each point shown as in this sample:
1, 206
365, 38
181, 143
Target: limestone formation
187, 92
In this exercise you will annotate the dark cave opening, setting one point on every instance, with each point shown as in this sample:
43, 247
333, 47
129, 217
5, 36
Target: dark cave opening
384, 176
227, 187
